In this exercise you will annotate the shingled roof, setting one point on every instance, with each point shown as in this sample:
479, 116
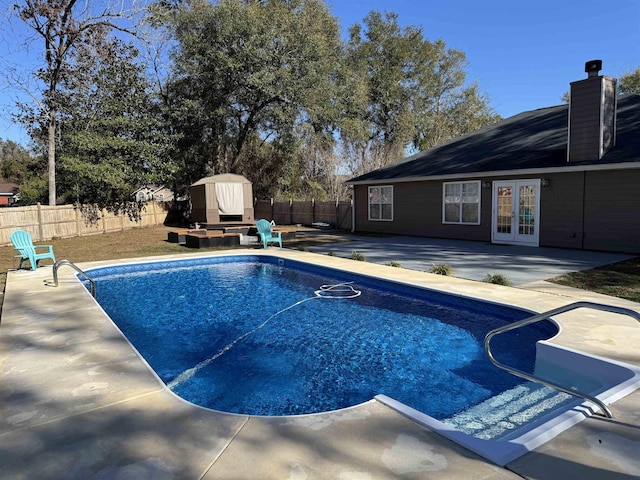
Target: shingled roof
8, 188
534, 140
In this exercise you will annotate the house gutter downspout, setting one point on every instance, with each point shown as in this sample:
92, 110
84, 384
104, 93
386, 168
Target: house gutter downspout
353, 211
584, 207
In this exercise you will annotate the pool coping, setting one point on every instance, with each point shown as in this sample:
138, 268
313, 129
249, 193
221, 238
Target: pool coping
34, 283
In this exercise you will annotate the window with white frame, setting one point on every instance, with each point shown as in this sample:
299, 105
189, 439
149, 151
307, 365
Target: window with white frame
381, 203
461, 202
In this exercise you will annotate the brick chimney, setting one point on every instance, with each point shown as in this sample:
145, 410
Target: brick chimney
592, 115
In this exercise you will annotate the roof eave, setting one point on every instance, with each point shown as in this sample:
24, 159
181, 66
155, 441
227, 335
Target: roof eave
495, 173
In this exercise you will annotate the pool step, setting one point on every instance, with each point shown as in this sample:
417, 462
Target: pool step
500, 415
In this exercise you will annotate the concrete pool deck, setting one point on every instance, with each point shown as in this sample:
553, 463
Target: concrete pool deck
77, 402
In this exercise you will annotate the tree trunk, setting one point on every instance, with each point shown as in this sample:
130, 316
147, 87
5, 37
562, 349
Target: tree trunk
51, 151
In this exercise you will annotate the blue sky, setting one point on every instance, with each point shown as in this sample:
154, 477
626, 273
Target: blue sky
522, 54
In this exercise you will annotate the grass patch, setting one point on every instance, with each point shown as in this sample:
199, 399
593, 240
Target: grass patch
497, 279
620, 280
395, 264
137, 242
442, 269
358, 256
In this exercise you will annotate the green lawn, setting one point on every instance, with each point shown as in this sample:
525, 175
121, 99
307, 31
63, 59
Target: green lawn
620, 279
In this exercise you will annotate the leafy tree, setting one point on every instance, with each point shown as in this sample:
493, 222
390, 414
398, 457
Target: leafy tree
264, 89
401, 91
444, 108
63, 25
630, 82
14, 161
17, 165
112, 137
246, 75
376, 76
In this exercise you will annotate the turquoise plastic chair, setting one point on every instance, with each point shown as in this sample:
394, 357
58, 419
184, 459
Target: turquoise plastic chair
268, 236
22, 243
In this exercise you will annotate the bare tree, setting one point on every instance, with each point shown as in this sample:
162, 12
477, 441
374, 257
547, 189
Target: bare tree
360, 158
63, 25
322, 169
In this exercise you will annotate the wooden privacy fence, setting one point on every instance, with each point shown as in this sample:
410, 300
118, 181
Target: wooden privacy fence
44, 222
288, 212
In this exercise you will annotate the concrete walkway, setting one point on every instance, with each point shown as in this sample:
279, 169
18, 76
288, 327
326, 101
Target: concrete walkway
471, 260
77, 402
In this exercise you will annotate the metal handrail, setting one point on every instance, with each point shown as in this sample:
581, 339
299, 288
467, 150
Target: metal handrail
60, 263
543, 316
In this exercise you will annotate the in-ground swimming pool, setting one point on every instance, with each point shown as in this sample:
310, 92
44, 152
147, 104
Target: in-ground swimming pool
249, 334
200, 325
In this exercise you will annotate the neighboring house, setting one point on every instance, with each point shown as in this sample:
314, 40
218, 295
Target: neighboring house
564, 176
150, 193
8, 194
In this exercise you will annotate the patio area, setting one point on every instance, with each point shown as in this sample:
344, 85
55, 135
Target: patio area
469, 259
78, 402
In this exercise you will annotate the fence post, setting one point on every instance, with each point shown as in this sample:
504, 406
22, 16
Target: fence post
291, 211
156, 207
77, 210
40, 230
313, 211
271, 207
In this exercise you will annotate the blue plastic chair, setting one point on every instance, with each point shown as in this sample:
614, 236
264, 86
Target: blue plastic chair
24, 245
267, 235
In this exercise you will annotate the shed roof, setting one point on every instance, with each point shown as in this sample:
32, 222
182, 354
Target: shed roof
222, 178
531, 140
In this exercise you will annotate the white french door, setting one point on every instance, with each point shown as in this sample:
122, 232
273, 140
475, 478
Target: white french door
516, 212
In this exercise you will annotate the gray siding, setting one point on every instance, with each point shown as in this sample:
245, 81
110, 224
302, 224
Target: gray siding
417, 210
582, 210
612, 211
561, 211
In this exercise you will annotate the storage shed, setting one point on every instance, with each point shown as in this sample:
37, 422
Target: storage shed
224, 198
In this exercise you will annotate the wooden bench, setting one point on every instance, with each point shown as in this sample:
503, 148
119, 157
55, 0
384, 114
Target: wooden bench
179, 236
212, 240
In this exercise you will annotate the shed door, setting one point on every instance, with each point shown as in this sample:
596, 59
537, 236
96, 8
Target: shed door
516, 212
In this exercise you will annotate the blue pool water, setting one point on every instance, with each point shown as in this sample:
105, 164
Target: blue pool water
201, 325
